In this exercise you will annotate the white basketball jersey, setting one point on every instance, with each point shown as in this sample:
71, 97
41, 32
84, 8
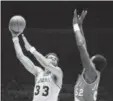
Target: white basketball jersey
84, 91
45, 88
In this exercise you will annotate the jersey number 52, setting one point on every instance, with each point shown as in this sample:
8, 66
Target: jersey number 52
45, 88
78, 92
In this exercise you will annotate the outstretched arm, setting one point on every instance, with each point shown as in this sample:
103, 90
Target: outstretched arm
80, 23
90, 71
41, 59
28, 64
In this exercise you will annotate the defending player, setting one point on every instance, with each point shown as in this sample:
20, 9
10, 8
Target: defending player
48, 81
86, 86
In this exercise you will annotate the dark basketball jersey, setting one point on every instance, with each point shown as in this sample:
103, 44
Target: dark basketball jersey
84, 91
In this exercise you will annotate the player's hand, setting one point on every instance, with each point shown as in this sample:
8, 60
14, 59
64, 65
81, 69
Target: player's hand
78, 19
75, 17
26, 43
14, 34
81, 17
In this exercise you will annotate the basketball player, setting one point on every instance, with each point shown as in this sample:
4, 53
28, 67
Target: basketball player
48, 81
86, 86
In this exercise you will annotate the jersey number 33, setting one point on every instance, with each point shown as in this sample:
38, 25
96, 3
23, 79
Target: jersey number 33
45, 90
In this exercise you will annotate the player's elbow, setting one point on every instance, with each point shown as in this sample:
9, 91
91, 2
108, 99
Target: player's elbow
46, 64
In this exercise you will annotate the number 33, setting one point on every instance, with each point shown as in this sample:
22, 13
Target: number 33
46, 90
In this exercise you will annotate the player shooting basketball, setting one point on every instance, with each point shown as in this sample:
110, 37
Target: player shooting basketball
48, 81
87, 84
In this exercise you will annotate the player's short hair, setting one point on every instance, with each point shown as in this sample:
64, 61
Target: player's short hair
99, 61
53, 55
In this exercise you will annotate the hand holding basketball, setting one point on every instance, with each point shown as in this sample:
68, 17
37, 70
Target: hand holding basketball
17, 25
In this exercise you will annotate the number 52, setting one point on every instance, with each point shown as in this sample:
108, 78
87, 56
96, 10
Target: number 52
78, 92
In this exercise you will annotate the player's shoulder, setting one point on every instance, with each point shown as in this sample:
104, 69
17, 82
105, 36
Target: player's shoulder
59, 75
61, 72
59, 68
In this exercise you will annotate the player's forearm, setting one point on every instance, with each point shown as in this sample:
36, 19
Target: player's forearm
82, 32
17, 47
40, 58
43, 61
79, 39
81, 29
79, 35
82, 47
27, 63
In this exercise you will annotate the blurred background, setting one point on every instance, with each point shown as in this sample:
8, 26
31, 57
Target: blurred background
49, 29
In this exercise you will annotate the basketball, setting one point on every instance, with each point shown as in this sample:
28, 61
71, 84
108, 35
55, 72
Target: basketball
17, 24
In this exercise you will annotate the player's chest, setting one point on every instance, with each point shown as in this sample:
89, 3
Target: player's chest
81, 89
82, 85
43, 79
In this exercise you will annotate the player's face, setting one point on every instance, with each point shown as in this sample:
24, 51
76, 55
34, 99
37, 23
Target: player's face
52, 59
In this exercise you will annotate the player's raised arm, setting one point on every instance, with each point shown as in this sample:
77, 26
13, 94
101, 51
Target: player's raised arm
80, 22
42, 59
28, 64
81, 43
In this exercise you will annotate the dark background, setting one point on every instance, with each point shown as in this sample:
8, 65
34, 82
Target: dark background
49, 29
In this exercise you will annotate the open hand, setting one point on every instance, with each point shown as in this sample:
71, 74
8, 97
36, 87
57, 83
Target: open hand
78, 19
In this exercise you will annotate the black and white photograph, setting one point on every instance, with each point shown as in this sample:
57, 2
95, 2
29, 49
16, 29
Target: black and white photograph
56, 51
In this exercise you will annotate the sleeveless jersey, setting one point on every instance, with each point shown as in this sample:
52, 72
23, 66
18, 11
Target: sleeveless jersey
45, 88
84, 91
